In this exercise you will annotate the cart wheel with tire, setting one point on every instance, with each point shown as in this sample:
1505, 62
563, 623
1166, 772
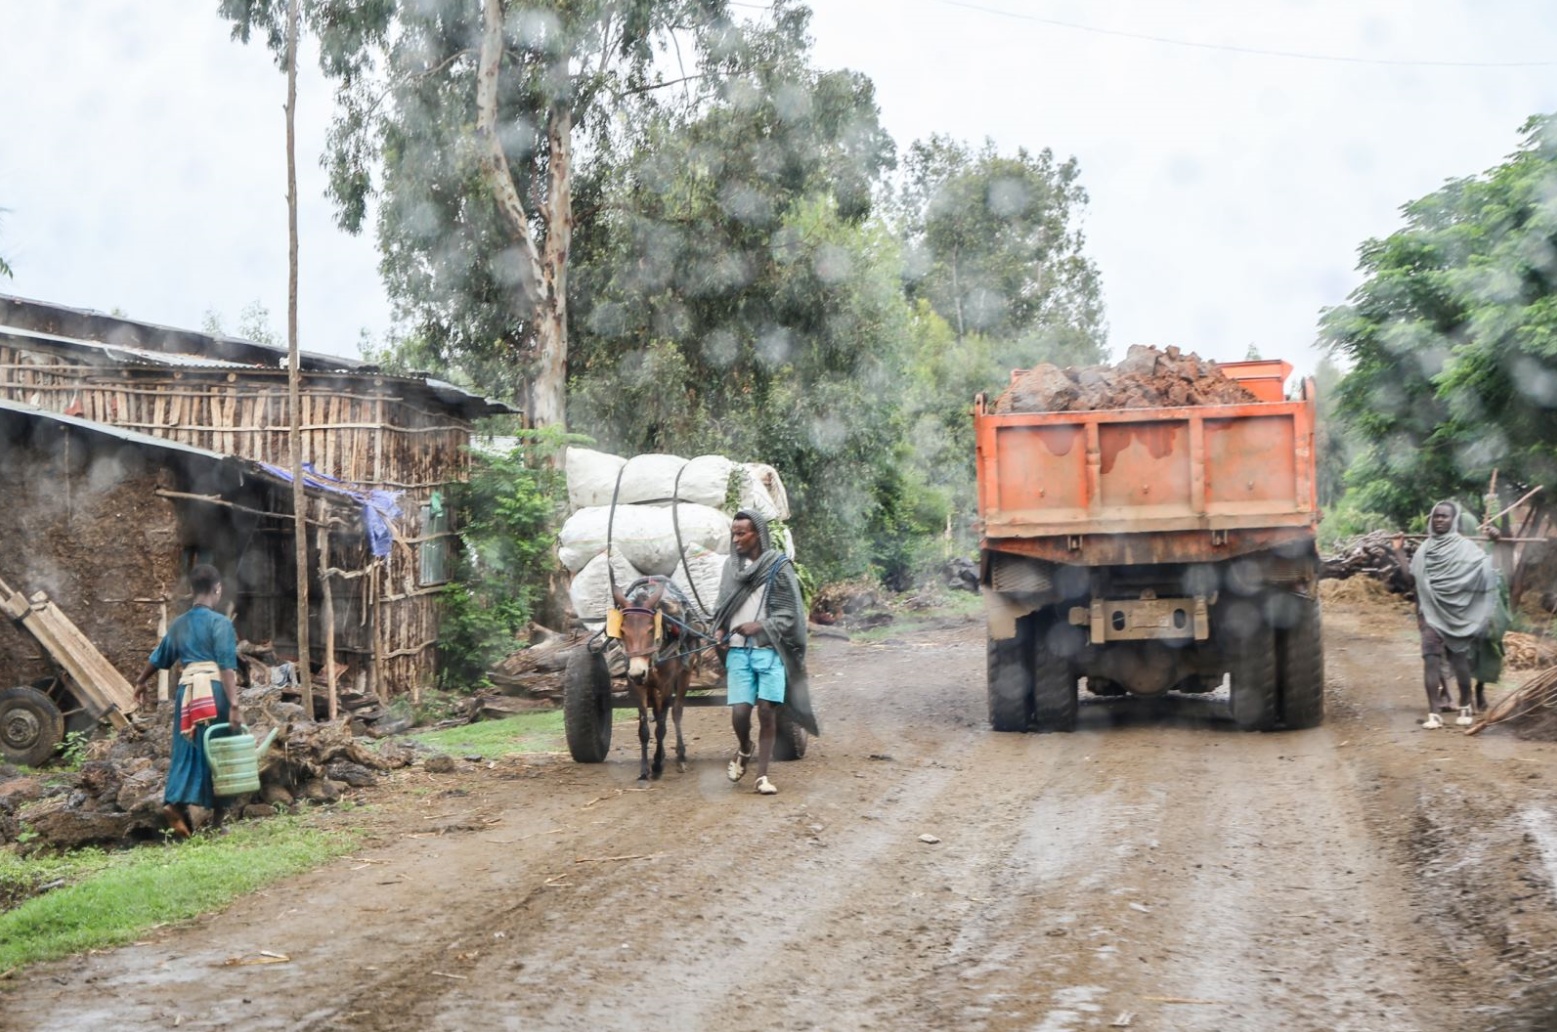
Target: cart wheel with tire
31, 726
590, 694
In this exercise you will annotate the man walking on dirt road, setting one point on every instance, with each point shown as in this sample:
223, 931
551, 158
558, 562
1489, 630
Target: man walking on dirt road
760, 619
1457, 595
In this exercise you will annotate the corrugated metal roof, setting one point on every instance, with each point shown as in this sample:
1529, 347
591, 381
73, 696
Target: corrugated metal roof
129, 342
87, 324
116, 432
122, 355
247, 467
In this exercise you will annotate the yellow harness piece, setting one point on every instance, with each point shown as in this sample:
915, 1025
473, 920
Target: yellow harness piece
613, 627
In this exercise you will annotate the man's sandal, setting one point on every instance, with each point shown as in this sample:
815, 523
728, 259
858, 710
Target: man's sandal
737, 768
1432, 723
766, 787
1465, 719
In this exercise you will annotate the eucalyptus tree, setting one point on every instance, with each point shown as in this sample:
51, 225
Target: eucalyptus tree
996, 246
470, 123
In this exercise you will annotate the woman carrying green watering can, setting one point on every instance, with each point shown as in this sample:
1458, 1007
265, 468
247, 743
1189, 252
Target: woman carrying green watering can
206, 644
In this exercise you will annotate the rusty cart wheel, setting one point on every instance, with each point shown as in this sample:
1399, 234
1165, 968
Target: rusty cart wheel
791, 740
586, 706
1010, 686
1300, 667
30, 726
77, 717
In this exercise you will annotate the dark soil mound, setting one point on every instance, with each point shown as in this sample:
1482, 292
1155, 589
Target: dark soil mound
1147, 378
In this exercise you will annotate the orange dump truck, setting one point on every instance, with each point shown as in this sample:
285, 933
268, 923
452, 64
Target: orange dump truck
1150, 550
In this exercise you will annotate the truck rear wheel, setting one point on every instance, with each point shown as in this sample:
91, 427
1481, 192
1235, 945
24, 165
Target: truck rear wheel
1010, 675
1251, 655
1300, 667
1055, 687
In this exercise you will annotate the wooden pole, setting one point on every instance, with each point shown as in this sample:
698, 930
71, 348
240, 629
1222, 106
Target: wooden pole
295, 376
162, 675
329, 620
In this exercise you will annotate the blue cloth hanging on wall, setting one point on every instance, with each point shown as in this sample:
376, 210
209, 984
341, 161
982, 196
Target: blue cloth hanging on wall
378, 507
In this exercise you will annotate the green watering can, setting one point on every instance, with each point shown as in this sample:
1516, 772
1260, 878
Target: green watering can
235, 760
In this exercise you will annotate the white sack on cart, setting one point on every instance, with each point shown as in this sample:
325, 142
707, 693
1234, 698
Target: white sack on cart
590, 591
704, 569
591, 477
653, 480
645, 534
761, 488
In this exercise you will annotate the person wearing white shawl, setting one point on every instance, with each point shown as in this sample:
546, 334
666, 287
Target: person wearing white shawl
1456, 596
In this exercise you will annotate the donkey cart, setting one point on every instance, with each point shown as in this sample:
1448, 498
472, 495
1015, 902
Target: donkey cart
590, 694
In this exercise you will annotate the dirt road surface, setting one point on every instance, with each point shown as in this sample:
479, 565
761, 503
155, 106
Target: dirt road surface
1157, 867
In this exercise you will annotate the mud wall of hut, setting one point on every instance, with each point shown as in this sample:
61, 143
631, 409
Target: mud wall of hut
365, 430
84, 523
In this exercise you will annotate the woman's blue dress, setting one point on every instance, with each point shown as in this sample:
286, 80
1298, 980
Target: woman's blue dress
200, 635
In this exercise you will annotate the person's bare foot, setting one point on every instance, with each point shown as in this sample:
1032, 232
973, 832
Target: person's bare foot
176, 822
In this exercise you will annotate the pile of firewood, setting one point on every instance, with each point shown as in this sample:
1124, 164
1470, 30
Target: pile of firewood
536, 671
116, 795
1528, 652
1373, 555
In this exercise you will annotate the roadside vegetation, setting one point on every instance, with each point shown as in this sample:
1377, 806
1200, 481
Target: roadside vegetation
490, 739
109, 897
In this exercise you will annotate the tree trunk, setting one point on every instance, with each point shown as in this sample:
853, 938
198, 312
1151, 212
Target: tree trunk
543, 274
548, 389
295, 377
957, 294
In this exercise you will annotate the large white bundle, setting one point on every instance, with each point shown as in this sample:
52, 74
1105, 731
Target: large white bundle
657, 479
651, 479
591, 476
591, 587
763, 491
705, 481
703, 569
644, 534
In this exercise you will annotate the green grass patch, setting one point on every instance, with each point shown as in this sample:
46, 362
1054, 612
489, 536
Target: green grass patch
525, 733
111, 898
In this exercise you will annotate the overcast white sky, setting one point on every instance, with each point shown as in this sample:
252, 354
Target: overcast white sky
143, 168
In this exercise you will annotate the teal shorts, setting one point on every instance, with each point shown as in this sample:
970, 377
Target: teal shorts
755, 674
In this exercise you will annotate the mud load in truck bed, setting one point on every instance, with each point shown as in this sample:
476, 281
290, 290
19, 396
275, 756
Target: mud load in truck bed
1147, 378
1149, 527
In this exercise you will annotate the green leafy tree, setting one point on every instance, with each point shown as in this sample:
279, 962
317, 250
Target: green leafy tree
1452, 339
999, 279
505, 514
996, 246
734, 294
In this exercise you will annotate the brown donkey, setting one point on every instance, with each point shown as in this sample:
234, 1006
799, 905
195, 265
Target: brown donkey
659, 668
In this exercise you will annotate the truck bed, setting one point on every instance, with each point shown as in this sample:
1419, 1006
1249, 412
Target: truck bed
1156, 471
